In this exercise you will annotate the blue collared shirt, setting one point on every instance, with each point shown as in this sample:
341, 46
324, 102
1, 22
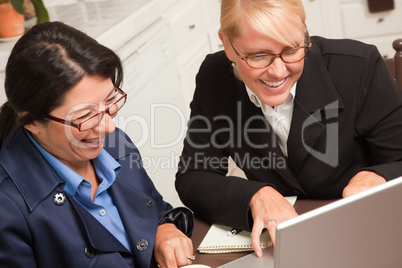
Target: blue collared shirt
102, 208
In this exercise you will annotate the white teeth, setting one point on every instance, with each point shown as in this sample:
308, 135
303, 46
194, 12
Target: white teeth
95, 141
274, 84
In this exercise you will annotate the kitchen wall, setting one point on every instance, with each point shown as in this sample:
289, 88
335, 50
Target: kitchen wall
163, 42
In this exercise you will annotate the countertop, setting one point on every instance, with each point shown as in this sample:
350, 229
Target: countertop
111, 22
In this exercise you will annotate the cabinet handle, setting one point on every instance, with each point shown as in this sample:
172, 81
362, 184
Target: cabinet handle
380, 20
191, 27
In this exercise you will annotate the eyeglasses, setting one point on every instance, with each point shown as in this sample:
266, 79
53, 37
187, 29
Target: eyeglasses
291, 55
92, 120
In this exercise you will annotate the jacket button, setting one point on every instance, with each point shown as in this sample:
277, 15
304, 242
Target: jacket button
142, 245
59, 199
90, 252
149, 203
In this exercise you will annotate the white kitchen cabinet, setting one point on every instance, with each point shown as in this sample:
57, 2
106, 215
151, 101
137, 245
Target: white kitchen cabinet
165, 4
214, 11
214, 41
188, 64
315, 14
358, 22
352, 19
154, 120
153, 116
189, 22
5, 49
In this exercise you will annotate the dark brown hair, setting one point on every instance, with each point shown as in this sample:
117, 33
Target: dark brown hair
45, 63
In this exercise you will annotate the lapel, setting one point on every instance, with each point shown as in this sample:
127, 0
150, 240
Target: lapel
268, 138
129, 192
316, 98
254, 136
99, 237
18, 154
140, 220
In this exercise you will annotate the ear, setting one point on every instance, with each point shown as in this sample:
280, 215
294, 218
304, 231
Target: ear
226, 45
34, 126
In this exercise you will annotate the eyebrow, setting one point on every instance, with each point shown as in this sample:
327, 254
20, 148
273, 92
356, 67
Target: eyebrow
111, 92
263, 52
92, 105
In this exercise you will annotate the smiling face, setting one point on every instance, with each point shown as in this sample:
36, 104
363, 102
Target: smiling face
271, 84
66, 143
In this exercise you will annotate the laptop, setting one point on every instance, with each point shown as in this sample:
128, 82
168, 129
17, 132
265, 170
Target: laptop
361, 231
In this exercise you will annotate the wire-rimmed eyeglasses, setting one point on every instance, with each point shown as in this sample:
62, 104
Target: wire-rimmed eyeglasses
290, 55
93, 120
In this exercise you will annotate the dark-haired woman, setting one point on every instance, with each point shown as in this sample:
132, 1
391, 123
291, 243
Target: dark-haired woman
70, 194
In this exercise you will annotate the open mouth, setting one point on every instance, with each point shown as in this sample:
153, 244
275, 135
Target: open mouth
93, 143
273, 84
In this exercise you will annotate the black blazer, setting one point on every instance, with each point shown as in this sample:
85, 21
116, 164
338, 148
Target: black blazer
347, 117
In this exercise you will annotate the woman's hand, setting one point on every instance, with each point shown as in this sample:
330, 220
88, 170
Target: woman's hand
172, 247
362, 181
268, 206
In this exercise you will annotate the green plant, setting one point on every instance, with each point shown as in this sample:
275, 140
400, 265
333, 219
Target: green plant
40, 10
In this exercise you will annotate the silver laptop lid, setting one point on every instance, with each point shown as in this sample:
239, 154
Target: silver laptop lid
361, 231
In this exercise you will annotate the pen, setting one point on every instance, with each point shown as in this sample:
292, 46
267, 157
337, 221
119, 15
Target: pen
233, 232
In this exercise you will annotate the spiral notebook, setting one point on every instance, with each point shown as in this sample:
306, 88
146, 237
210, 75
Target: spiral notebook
217, 240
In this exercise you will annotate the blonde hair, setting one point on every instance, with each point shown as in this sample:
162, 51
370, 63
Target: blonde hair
265, 16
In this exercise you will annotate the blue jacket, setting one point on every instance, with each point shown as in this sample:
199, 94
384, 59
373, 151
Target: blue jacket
37, 230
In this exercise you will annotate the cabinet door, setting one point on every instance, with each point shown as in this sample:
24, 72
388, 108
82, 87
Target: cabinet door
4, 53
154, 119
188, 64
359, 22
214, 11
3, 97
214, 41
314, 17
153, 116
165, 4
188, 20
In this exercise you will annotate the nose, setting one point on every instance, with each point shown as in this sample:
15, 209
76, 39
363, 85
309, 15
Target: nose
277, 68
106, 125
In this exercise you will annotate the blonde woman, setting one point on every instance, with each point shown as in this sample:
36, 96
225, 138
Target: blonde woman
300, 115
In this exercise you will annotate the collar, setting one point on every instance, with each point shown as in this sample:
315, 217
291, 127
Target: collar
316, 89
106, 168
19, 151
37, 179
